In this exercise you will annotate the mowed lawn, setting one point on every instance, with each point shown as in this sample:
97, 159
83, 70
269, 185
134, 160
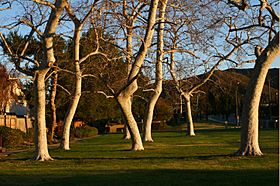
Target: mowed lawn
173, 159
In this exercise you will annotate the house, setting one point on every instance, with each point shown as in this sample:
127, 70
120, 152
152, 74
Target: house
16, 112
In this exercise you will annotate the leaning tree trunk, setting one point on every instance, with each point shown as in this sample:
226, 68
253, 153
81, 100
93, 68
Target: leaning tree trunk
41, 145
249, 145
190, 127
53, 106
129, 55
147, 135
125, 103
64, 144
124, 96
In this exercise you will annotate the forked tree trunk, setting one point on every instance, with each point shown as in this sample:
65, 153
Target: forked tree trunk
190, 126
41, 141
249, 145
41, 145
148, 119
65, 141
53, 106
125, 95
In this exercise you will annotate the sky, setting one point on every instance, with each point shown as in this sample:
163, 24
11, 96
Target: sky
6, 15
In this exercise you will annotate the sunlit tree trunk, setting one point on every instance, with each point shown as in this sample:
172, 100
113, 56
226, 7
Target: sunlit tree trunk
190, 126
148, 119
125, 103
65, 141
249, 145
124, 97
53, 105
41, 145
41, 148
129, 54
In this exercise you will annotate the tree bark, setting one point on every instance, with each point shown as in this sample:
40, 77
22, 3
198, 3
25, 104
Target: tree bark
41, 145
148, 119
249, 145
190, 126
53, 106
65, 141
125, 95
125, 104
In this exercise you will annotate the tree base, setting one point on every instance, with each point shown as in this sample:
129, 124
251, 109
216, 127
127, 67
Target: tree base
149, 140
43, 158
191, 135
248, 152
137, 148
126, 138
64, 147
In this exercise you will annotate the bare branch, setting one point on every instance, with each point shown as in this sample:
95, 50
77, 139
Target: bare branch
46, 3
103, 93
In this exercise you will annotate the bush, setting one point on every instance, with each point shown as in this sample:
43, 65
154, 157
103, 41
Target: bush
85, 131
29, 135
11, 137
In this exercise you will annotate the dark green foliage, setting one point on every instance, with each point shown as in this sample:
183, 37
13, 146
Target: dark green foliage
85, 131
29, 135
11, 137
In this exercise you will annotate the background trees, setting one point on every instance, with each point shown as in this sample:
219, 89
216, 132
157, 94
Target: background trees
111, 46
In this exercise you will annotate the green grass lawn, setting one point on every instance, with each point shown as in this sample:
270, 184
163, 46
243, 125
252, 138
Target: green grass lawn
173, 159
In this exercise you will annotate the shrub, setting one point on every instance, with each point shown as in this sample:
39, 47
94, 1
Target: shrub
29, 135
11, 137
85, 131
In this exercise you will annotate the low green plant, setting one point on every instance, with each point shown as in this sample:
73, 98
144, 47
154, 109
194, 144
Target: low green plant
11, 138
29, 135
85, 131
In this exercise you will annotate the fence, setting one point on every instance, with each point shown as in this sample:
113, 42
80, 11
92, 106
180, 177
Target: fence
15, 122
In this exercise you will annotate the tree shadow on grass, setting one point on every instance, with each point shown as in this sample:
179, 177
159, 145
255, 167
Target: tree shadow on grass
154, 177
198, 157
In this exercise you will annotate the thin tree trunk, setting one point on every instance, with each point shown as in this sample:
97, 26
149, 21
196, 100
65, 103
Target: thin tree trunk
148, 119
53, 106
64, 144
190, 127
41, 145
129, 55
249, 145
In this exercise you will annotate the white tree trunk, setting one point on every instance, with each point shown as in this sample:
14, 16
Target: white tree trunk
125, 104
124, 97
190, 127
65, 141
53, 106
249, 145
126, 133
41, 145
147, 135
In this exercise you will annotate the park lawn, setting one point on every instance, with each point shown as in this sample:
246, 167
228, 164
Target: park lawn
173, 159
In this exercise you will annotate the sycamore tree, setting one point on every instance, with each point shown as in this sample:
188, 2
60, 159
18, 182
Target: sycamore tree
258, 23
118, 20
42, 18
